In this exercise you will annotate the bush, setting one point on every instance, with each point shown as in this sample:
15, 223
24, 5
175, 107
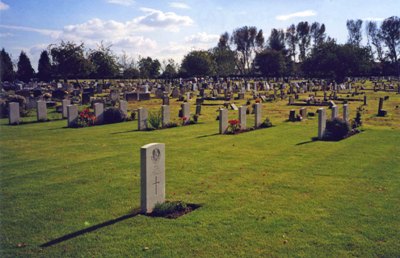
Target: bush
162, 209
267, 123
336, 129
113, 115
170, 125
154, 120
357, 120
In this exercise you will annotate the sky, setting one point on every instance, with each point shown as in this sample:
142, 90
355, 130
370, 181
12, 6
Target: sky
166, 29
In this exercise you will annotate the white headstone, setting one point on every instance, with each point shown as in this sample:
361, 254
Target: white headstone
242, 117
152, 176
335, 112
186, 111
13, 113
346, 112
72, 111
41, 110
142, 119
321, 122
165, 115
223, 120
99, 113
257, 114
123, 106
65, 103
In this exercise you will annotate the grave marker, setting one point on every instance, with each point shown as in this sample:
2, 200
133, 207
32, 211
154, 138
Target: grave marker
257, 114
65, 103
165, 115
321, 122
242, 117
41, 110
223, 120
123, 106
99, 112
335, 112
142, 119
72, 111
152, 176
13, 113
346, 112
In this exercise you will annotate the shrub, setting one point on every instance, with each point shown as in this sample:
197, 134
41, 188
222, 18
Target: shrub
154, 119
336, 129
162, 209
170, 125
267, 123
113, 115
357, 120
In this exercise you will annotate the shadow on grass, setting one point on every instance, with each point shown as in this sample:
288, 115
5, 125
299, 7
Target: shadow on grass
34, 122
314, 139
208, 135
90, 229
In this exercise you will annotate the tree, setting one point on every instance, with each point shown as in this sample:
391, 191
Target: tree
304, 38
69, 60
333, 61
291, 41
246, 40
197, 63
7, 72
25, 71
170, 70
270, 63
104, 63
374, 36
354, 29
317, 33
276, 40
224, 57
149, 68
390, 32
44, 67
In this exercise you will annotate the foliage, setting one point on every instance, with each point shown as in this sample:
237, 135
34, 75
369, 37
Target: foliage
113, 115
85, 118
131, 73
224, 57
25, 71
7, 72
155, 120
336, 129
317, 33
170, 69
270, 63
291, 41
234, 126
163, 209
276, 40
104, 63
357, 122
354, 29
267, 123
374, 36
170, 125
44, 67
390, 34
69, 60
149, 68
197, 63
304, 38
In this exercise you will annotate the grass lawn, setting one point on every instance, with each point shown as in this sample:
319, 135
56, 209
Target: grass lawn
269, 192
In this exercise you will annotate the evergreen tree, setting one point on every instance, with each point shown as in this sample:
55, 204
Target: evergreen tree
25, 71
44, 67
6, 67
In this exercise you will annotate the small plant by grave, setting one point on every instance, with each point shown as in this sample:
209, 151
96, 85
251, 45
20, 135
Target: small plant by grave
154, 120
234, 126
267, 123
85, 118
172, 209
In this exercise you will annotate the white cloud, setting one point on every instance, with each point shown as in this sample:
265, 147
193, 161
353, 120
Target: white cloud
121, 2
373, 19
46, 32
202, 37
158, 19
179, 5
3, 6
306, 13
5, 35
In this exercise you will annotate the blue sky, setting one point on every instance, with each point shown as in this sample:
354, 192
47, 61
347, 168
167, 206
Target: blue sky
166, 29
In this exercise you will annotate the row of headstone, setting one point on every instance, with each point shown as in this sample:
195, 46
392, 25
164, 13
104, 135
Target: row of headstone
334, 114
223, 118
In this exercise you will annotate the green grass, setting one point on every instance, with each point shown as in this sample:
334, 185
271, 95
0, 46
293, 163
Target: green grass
270, 192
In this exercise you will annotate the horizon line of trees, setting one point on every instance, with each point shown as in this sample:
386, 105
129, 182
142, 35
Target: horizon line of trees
303, 49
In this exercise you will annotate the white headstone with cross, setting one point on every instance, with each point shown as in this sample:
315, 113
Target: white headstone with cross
152, 176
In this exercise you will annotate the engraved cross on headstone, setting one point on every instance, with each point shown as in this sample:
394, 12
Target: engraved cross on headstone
155, 184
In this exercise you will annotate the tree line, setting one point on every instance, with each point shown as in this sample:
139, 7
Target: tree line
301, 50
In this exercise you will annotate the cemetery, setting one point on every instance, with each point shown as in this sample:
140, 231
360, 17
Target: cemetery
117, 184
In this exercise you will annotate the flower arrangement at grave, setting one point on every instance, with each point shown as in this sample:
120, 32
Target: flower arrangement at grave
85, 118
234, 126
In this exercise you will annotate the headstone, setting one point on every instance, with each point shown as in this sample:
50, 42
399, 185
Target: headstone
187, 96
13, 113
223, 120
198, 110
292, 115
186, 111
335, 112
303, 112
233, 106
242, 117
41, 110
346, 112
114, 95
380, 104
152, 176
72, 111
165, 100
175, 92
291, 100
257, 114
321, 122
142, 119
123, 106
99, 113
365, 100
165, 115
65, 103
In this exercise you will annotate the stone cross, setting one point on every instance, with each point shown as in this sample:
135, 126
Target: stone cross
321, 122
41, 110
13, 113
72, 111
346, 112
152, 176
142, 119
165, 115
334, 112
223, 120
242, 117
99, 113
257, 114
65, 103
